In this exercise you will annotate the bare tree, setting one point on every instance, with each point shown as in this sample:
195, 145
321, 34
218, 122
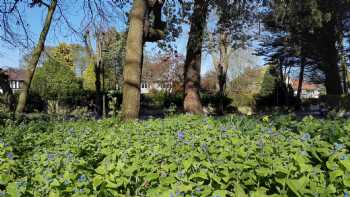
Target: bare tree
34, 59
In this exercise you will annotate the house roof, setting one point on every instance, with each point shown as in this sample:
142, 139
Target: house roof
306, 85
16, 74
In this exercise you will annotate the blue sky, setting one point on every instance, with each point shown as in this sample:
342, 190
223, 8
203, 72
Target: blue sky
11, 57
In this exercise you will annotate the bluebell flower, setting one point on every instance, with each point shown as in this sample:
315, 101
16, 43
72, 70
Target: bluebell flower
2, 194
181, 135
82, 178
177, 193
81, 190
198, 190
346, 194
10, 155
306, 137
216, 195
172, 194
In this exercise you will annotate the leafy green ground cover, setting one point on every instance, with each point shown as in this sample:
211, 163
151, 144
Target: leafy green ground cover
177, 156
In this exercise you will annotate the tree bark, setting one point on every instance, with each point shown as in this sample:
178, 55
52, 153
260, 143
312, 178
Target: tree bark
333, 79
133, 61
33, 62
301, 77
192, 68
330, 55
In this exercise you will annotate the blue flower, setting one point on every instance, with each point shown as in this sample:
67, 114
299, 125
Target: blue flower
306, 137
223, 129
344, 157
338, 147
346, 194
172, 194
51, 156
181, 135
10, 155
2, 194
216, 195
198, 190
82, 178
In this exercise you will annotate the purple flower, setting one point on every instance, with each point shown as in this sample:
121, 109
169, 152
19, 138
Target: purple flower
10, 155
181, 135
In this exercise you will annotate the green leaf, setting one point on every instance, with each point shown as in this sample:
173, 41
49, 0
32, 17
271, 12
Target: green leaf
346, 181
297, 185
4, 179
187, 163
96, 181
346, 164
201, 175
263, 172
239, 191
101, 169
55, 183
333, 175
221, 193
11, 190
167, 180
152, 176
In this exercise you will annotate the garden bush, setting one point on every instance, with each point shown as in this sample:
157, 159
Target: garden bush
177, 156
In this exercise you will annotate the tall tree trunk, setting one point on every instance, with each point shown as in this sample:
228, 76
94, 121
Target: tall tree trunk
301, 77
98, 73
330, 54
192, 70
333, 79
133, 61
345, 77
95, 59
33, 62
222, 83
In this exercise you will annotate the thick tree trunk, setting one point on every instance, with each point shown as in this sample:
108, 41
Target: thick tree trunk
133, 61
301, 78
33, 62
330, 55
192, 70
333, 79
